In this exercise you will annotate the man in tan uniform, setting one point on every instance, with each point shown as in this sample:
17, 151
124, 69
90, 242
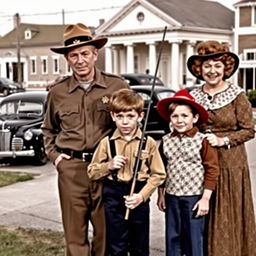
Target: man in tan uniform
77, 118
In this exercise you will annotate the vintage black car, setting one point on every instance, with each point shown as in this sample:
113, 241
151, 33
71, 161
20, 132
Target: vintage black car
141, 79
8, 86
21, 116
156, 124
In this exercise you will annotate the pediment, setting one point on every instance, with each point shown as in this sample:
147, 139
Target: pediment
138, 15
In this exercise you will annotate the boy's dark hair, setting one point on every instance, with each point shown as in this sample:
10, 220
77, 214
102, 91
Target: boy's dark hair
174, 105
126, 100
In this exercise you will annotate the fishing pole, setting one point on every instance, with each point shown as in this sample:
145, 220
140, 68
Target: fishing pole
137, 161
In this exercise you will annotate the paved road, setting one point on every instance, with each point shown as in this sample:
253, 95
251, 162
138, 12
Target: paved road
35, 203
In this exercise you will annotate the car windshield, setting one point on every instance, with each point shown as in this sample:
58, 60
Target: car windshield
6, 80
22, 108
164, 94
149, 80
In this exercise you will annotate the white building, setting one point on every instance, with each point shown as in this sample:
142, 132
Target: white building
136, 31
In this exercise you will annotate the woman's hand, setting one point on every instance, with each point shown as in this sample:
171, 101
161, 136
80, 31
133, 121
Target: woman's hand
214, 140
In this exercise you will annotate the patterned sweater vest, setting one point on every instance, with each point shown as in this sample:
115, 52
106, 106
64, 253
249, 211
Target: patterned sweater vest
185, 172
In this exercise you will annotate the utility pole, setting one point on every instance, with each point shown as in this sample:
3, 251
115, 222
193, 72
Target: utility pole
17, 26
63, 17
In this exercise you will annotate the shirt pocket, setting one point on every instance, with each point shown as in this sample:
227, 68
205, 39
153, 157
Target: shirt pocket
102, 115
144, 154
70, 117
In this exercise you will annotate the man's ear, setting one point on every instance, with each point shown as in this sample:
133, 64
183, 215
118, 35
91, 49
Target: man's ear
96, 54
195, 118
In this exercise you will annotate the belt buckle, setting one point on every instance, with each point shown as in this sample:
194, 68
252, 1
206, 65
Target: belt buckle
84, 156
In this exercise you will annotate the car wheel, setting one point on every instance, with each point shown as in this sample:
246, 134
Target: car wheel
5, 92
40, 157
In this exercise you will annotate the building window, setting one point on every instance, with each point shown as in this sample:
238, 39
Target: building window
33, 65
140, 16
69, 68
56, 65
44, 64
28, 34
250, 54
254, 15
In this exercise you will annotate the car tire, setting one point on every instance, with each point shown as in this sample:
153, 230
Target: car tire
5, 92
40, 157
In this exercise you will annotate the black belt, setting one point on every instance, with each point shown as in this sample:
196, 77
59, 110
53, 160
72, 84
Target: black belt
84, 155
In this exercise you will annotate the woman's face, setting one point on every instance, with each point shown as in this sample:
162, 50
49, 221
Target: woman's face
213, 72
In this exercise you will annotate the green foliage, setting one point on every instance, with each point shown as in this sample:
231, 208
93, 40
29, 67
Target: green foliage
8, 178
251, 94
30, 242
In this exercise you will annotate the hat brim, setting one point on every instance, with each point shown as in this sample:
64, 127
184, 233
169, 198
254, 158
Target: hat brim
192, 61
98, 43
163, 105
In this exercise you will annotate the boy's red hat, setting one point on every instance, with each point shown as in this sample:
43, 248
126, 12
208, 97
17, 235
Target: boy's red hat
181, 96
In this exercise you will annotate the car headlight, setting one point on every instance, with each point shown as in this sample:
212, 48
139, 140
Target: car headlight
28, 135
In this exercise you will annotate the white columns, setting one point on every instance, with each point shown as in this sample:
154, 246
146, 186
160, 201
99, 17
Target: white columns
152, 58
108, 59
115, 61
130, 59
190, 79
175, 54
122, 61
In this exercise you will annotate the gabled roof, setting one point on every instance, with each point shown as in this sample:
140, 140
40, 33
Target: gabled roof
42, 34
197, 13
244, 2
177, 14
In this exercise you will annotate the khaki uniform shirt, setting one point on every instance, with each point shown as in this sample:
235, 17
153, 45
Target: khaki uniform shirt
78, 119
152, 169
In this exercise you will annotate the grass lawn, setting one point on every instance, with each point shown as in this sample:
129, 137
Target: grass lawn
27, 242
30, 242
8, 178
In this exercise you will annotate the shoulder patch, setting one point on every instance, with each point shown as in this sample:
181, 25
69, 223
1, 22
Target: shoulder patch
111, 75
56, 81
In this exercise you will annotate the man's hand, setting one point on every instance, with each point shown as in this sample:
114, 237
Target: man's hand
60, 157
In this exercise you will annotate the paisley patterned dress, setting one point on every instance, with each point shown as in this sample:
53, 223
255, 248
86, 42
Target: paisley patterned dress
231, 230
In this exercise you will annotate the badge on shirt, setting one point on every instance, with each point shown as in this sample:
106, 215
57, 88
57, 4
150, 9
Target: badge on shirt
105, 99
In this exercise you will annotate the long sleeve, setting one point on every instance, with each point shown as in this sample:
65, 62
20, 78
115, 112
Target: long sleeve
211, 166
98, 168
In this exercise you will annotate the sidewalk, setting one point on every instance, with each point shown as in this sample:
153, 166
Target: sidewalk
35, 203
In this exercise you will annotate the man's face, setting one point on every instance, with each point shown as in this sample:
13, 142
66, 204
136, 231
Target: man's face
82, 61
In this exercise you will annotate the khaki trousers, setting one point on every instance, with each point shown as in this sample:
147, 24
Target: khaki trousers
81, 202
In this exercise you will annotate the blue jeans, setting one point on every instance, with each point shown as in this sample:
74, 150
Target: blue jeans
184, 232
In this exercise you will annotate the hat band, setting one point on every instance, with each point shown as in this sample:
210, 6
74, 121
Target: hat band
77, 40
